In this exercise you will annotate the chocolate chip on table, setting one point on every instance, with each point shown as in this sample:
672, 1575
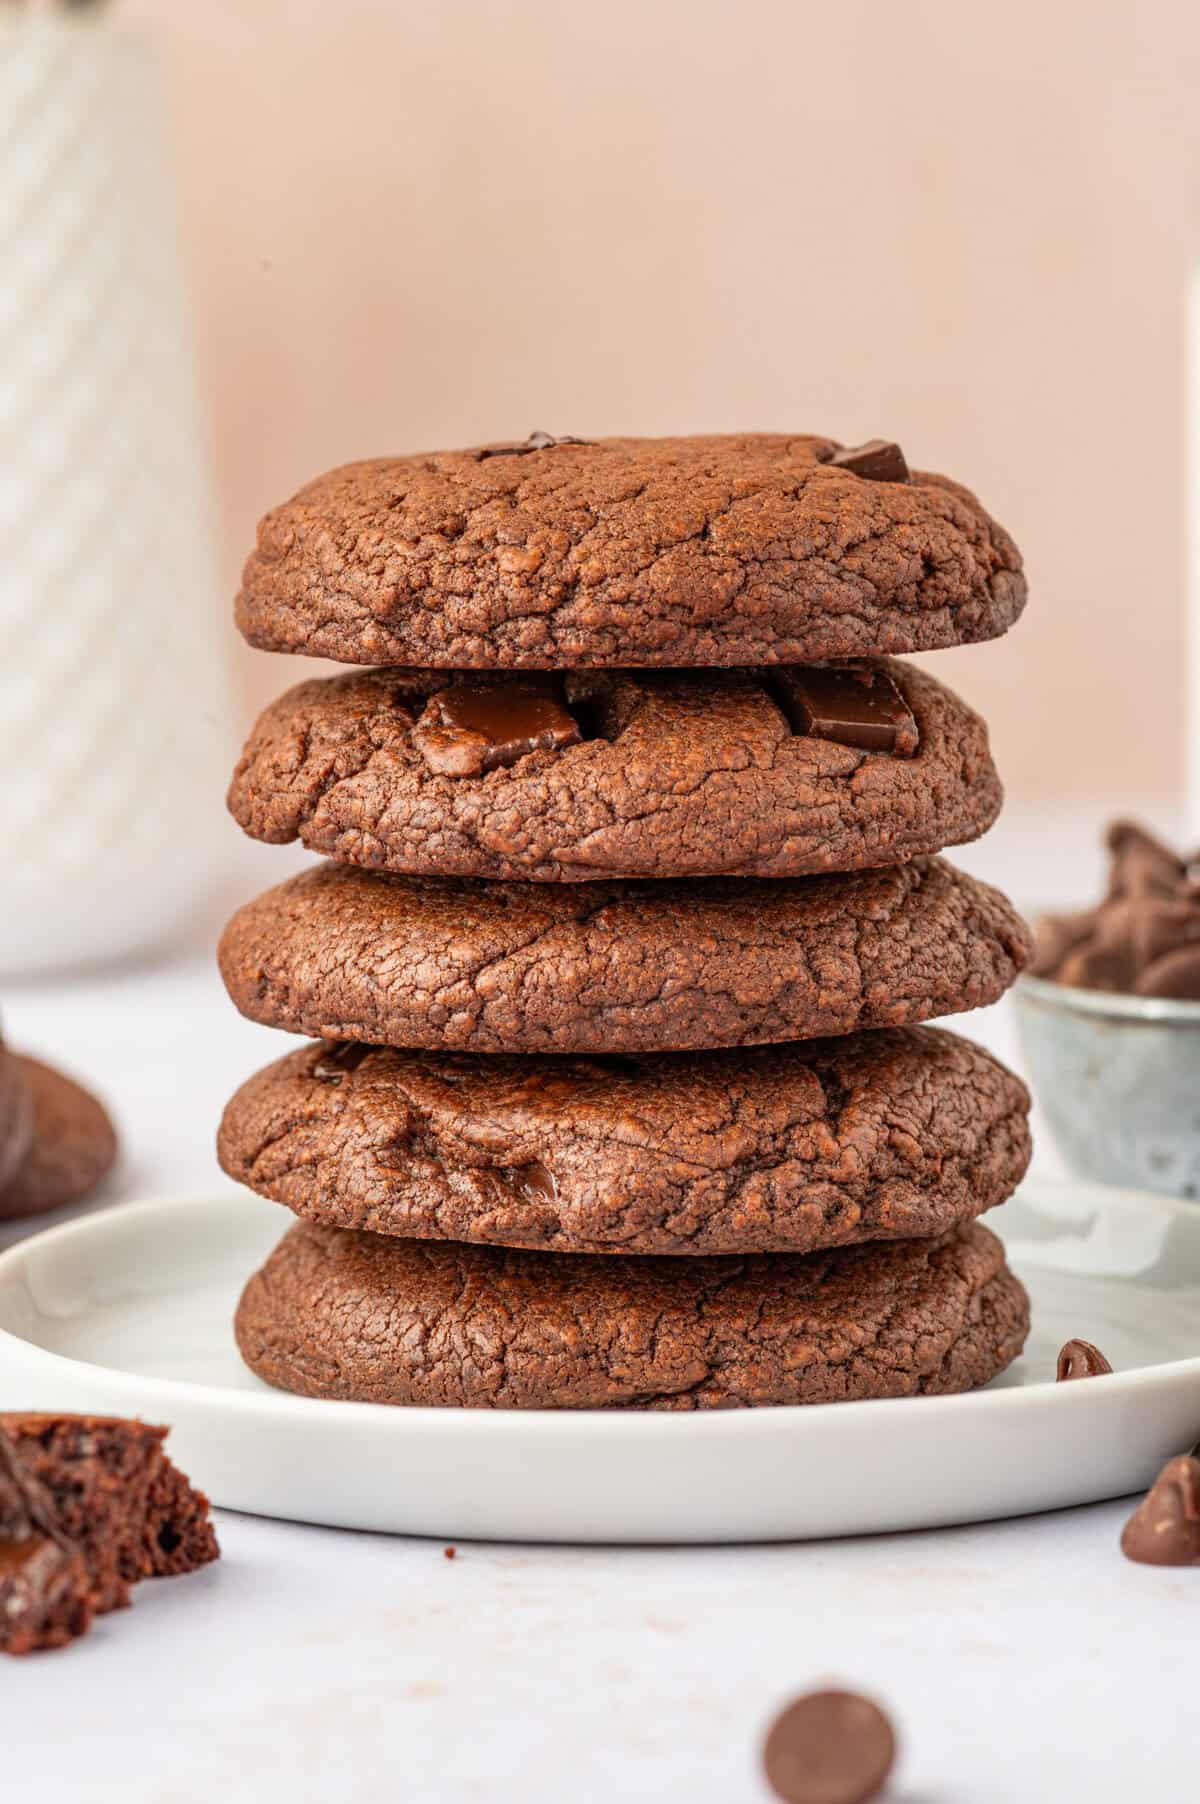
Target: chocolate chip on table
829, 1747
1164, 1530
1080, 1359
879, 460
469, 729
537, 441
852, 704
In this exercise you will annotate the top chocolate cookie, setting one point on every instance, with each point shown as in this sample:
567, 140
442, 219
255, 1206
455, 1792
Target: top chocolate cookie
754, 548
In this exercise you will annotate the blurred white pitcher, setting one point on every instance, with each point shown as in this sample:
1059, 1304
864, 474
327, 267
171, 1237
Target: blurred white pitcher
115, 736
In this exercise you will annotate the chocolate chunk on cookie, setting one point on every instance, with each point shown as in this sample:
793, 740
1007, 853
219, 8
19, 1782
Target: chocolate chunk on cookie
630, 967
361, 1316
669, 774
884, 1136
72, 1149
748, 549
468, 729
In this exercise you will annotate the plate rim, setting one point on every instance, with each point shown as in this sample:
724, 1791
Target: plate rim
741, 1423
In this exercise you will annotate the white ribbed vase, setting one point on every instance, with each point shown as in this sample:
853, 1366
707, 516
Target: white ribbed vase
115, 735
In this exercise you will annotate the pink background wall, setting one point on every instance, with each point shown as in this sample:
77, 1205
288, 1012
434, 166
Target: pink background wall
964, 226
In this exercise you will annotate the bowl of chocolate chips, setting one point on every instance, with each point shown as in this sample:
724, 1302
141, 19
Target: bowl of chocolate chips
1109, 1018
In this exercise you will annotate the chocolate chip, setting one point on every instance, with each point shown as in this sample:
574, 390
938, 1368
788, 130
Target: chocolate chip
44, 1594
1080, 1359
1143, 939
853, 704
1164, 1530
831, 1747
537, 441
879, 460
1175, 975
469, 728
337, 1060
1141, 864
536, 1183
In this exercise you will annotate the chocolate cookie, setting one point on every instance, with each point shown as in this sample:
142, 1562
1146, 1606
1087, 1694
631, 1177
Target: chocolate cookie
506, 967
652, 774
16, 1117
360, 1316
73, 1147
882, 1136
753, 548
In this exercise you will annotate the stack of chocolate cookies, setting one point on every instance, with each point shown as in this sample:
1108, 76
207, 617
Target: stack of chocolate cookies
631, 909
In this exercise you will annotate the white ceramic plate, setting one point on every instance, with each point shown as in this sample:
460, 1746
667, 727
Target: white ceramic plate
128, 1312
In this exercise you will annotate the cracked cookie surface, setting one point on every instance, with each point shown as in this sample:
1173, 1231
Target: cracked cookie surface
363, 1317
884, 1136
466, 966
742, 549
693, 773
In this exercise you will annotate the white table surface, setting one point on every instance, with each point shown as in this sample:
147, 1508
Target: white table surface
1023, 1660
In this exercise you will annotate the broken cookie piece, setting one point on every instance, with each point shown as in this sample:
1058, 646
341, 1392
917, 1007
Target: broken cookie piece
101, 1492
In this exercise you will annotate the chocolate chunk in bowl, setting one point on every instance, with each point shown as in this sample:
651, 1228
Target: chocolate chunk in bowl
1109, 1019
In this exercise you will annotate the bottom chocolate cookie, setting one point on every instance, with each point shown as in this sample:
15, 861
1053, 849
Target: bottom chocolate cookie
367, 1318
73, 1145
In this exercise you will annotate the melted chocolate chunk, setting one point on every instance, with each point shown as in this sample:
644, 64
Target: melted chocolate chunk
15, 1554
536, 1183
852, 704
45, 1595
537, 441
337, 1060
472, 728
1080, 1359
831, 1747
879, 460
1164, 1530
